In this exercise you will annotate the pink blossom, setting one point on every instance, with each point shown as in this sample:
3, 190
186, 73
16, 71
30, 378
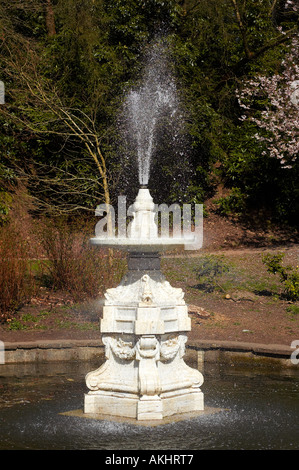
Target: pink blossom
278, 122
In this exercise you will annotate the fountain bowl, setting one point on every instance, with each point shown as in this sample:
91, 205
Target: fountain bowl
142, 232
155, 245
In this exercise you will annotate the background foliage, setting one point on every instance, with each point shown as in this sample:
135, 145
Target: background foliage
81, 56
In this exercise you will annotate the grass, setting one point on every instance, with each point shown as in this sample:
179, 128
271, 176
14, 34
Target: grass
61, 318
293, 310
234, 274
26, 320
246, 273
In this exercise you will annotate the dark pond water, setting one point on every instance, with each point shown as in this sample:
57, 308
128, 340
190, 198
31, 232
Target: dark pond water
259, 410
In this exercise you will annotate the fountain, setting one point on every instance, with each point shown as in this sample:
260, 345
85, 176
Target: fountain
144, 329
145, 320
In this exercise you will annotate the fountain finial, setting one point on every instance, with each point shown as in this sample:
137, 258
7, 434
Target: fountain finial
143, 225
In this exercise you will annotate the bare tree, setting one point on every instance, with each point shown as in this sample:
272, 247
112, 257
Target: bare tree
35, 104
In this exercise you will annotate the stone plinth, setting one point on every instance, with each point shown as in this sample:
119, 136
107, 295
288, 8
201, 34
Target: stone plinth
144, 330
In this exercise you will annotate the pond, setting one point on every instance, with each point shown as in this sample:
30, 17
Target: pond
257, 408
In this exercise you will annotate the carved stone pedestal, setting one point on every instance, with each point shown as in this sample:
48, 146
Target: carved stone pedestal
144, 327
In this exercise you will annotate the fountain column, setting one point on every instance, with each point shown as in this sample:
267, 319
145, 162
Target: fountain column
144, 329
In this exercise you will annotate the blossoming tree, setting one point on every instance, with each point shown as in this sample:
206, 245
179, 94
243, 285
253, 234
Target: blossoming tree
272, 103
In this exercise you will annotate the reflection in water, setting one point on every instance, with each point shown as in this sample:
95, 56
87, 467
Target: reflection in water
259, 411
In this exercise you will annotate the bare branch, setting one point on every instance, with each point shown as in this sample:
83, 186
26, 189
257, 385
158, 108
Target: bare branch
39, 95
242, 28
272, 8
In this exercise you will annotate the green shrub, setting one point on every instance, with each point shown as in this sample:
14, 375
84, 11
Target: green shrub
234, 203
289, 276
209, 269
293, 309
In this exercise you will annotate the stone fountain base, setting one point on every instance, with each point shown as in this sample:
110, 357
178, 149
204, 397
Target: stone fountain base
154, 384
144, 329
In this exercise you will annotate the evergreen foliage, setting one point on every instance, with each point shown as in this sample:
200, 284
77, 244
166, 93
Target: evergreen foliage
65, 60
